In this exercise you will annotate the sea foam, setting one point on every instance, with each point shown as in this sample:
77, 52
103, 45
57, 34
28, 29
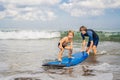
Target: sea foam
28, 34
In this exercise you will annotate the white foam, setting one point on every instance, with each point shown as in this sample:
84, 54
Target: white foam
102, 67
106, 67
3, 66
25, 75
44, 76
98, 76
28, 34
103, 52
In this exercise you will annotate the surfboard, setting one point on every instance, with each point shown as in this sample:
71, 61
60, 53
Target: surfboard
67, 62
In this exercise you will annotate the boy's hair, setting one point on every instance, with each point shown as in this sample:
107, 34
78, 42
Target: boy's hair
83, 28
70, 31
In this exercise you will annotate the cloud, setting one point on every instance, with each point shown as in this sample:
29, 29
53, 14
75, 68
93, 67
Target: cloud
45, 10
32, 2
89, 7
28, 9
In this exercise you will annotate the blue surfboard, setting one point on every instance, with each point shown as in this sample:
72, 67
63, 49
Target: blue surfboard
67, 62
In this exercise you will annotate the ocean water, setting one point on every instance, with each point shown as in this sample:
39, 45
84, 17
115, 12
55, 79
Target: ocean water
23, 52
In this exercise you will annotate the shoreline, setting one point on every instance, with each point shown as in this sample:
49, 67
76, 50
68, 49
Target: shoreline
103, 36
23, 59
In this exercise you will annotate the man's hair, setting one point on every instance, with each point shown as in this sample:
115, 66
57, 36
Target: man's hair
83, 28
70, 31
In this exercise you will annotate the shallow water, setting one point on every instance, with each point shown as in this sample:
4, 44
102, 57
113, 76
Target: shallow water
23, 59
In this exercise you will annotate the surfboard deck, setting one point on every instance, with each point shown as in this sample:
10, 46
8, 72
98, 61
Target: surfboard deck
67, 62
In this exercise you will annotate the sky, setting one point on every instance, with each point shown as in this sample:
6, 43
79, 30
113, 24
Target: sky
60, 14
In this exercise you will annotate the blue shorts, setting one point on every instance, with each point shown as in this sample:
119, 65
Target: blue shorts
95, 42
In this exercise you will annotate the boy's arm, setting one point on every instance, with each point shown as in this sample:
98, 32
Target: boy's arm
91, 41
91, 44
61, 42
83, 42
71, 44
83, 45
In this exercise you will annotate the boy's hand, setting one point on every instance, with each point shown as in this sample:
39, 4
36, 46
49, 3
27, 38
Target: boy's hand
82, 50
61, 47
88, 51
71, 47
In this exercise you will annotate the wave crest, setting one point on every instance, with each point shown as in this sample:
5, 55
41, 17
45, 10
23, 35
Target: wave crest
28, 34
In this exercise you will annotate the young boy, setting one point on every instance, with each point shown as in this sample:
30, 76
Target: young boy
63, 44
93, 39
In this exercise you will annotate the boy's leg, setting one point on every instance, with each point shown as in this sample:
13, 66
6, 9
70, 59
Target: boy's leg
96, 41
94, 49
88, 47
60, 55
70, 51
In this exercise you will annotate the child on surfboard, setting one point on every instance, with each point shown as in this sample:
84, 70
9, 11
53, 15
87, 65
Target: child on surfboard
93, 39
63, 44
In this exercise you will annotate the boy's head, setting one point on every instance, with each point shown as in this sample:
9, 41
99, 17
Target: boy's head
83, 29
70, 34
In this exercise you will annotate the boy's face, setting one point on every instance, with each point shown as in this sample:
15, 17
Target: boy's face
83, 32
70, 35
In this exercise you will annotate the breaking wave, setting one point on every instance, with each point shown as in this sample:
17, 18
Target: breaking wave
27, 34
